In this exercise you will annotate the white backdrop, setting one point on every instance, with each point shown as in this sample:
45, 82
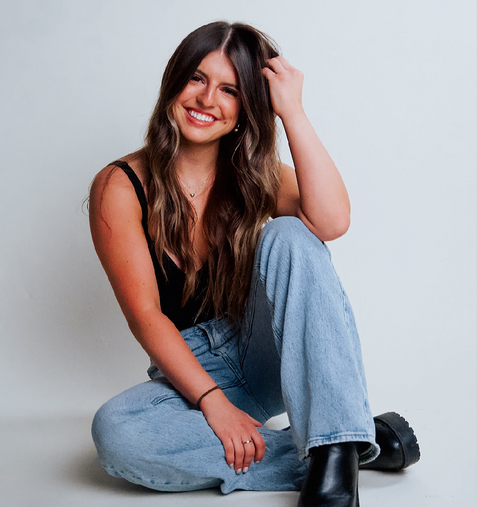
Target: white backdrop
390, 88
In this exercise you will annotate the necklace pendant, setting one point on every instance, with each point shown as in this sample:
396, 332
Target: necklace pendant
186, 187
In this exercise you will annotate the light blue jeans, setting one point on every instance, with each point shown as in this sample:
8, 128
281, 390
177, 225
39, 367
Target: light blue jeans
297, 351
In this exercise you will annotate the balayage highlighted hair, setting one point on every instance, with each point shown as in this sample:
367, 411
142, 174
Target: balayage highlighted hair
244, 192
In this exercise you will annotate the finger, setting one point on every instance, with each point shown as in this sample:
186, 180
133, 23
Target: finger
285, 63
276, 65
259, 444
229, 452
249, 453
239, 453
268, 73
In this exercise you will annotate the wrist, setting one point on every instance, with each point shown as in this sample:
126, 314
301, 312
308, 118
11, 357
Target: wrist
211, 403
293, 116
199, 401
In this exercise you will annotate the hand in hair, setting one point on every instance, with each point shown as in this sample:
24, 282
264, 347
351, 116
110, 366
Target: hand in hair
286, 84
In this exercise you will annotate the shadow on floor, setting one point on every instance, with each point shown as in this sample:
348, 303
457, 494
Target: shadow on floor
87, 471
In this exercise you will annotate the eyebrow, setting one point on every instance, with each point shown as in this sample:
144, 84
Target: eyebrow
232, 85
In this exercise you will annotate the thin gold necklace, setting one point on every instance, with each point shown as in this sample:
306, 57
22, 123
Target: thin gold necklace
193, 194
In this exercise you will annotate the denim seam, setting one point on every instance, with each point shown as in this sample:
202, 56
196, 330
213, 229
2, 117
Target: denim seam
242, 382
257, 403
231, 364
252, 318
178, 396
276, 333
209, 333
249, 330
160, 399
342, 291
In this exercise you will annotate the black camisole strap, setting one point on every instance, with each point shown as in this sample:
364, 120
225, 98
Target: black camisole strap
170, 279
139, 192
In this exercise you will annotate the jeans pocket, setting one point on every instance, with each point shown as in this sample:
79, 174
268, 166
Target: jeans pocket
166, 392
218, 332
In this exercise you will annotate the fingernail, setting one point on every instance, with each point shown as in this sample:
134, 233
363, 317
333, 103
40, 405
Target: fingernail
231, 465
257, 462
245, 470
239, 471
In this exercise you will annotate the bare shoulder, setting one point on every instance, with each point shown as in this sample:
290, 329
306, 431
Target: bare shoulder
113, 177
120, 242
113, 202
109, 185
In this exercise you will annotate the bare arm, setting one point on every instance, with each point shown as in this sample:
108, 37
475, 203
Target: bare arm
120, 242
315, 192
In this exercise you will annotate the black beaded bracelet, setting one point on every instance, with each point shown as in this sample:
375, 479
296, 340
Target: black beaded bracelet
204, 395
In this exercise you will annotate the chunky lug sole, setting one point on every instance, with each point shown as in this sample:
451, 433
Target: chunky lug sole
399, 446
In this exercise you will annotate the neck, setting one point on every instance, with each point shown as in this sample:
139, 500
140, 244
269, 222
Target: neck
196, 163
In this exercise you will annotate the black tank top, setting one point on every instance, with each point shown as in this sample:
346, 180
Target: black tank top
170, 289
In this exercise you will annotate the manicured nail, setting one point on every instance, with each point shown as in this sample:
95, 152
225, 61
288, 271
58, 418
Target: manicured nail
257, 462
230, 465
245, 470
239, 471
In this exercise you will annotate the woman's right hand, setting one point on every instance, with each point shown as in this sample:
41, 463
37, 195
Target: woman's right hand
118, 235
236, 430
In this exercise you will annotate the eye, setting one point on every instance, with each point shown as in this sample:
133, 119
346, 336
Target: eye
196, 78
231, 91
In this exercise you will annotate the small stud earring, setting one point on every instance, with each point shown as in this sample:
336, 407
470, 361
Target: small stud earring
236, 129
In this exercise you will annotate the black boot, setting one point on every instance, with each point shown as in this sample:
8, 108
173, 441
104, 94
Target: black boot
332, 479
399, 447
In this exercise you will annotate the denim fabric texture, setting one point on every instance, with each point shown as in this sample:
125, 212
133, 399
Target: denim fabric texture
297, 351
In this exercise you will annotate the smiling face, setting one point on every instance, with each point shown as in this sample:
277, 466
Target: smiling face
209, 106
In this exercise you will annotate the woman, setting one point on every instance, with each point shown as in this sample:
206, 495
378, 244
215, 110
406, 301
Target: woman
241, 316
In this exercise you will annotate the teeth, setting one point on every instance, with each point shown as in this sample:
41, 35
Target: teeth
201, 117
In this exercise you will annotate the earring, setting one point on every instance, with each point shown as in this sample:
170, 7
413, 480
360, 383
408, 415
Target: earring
236, 129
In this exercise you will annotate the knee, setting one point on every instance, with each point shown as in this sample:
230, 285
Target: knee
289, 236
107, 431
283, 225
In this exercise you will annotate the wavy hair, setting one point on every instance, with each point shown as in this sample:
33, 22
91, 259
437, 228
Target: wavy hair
244, 193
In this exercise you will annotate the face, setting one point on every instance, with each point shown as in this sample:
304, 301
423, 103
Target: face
209, 106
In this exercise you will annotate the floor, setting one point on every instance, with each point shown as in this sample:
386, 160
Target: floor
52, 463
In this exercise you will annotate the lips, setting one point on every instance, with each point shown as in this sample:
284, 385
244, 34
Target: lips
201, 116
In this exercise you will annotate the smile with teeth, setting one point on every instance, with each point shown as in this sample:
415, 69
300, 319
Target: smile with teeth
200, 116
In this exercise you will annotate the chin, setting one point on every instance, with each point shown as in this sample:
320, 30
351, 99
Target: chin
202, 138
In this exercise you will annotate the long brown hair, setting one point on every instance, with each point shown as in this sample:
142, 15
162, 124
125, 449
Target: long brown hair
244, 193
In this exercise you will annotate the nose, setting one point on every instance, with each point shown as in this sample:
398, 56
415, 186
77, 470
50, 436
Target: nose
206, 97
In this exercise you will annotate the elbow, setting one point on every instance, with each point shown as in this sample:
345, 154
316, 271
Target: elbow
339, 227
330, 228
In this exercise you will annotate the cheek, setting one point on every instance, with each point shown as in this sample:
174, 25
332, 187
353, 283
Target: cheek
182, 97
235, 112
177, 108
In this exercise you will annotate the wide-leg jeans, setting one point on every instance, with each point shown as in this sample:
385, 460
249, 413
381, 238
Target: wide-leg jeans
297, 350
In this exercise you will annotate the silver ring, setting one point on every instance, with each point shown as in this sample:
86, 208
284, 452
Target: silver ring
247, 442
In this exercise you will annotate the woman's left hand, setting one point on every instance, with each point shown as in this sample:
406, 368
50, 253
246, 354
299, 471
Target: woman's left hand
286, 84
314, 192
